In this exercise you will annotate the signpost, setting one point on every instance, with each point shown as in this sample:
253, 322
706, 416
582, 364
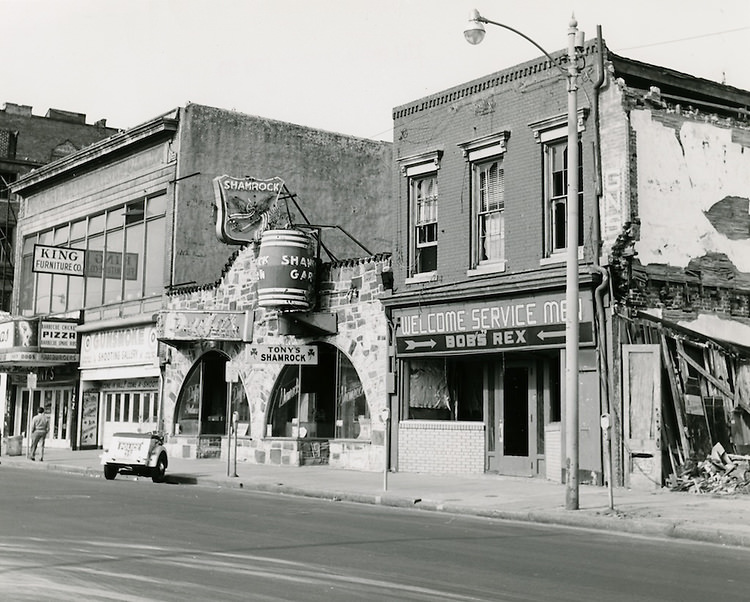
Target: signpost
232, 375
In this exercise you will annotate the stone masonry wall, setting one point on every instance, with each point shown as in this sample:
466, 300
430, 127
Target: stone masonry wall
349, 289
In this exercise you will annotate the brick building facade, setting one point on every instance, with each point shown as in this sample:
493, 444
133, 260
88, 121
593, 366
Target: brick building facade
478, 265
479, 270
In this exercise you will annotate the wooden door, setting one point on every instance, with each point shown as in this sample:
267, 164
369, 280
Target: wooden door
641, 374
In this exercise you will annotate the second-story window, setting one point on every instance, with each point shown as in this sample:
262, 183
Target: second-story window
124, 259
489, 191
421, 239
552, 134
424, 190
485, 156
556, 192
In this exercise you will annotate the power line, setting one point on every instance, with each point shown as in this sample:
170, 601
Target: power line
705, 35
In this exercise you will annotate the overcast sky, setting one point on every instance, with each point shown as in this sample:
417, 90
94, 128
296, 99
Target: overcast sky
339, 65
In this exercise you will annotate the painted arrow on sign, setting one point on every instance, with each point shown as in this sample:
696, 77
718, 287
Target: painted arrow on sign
550, 334
411, 345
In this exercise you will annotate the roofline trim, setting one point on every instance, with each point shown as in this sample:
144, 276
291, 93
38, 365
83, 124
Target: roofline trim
166, 123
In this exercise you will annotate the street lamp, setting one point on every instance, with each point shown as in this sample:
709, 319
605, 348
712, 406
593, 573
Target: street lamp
474, 34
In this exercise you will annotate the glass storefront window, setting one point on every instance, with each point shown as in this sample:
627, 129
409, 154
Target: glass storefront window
44, 290
239, 401
284, 403
187, 419
59, 299
445, 389
202, 402
93, 270
130, 232
78, 230
113, 267
155, 250
115, 218
156, 205
352, 414
134, 259
328, 399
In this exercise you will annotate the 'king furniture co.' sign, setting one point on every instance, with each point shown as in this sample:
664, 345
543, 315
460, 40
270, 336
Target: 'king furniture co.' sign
58, 260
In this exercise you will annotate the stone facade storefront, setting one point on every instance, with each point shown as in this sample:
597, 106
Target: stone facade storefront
348, 321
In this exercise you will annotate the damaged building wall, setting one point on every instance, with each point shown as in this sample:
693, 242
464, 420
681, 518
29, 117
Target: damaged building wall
704, 425
675, 214
693, 189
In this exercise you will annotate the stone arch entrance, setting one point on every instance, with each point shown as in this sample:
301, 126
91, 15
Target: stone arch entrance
201, 409
320, 402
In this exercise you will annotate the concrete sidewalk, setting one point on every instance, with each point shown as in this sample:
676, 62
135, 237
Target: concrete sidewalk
708, 518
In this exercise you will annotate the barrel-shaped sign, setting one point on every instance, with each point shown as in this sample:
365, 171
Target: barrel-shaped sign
286, 270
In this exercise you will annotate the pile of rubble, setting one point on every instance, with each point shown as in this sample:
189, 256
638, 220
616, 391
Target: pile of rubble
720, 473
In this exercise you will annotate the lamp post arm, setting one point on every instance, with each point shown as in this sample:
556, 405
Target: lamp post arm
482, 19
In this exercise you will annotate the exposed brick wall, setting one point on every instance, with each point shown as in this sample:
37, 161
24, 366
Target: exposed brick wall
441, 447
617, 165
39, 137
506, 101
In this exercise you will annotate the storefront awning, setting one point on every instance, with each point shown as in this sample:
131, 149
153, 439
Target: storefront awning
29, 343
13, 360
120, 372
695, 332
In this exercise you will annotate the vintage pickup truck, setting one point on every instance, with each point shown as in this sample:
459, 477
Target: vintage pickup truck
141, 454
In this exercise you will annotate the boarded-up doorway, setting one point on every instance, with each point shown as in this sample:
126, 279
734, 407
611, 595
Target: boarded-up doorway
641, 374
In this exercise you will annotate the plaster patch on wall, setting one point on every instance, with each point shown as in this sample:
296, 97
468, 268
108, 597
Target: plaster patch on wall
680, 178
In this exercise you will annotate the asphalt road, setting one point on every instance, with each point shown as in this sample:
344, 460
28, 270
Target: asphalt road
71, 537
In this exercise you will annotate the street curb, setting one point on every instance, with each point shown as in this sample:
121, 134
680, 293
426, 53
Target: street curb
666, 528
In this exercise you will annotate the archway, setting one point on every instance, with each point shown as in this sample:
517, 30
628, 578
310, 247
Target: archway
323, 401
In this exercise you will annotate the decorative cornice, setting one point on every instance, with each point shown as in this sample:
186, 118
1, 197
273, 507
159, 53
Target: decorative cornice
558, 121
164, 124
510, 76
431, 158
492, 143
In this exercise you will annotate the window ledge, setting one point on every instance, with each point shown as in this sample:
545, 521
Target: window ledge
487, 268
417, 278
559, 257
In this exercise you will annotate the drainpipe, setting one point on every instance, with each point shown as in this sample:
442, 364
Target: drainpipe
602, 287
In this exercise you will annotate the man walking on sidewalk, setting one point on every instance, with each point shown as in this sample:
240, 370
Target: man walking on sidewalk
39, 428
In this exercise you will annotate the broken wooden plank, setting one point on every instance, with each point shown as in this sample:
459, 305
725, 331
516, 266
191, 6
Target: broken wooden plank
723, 387
677, 400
